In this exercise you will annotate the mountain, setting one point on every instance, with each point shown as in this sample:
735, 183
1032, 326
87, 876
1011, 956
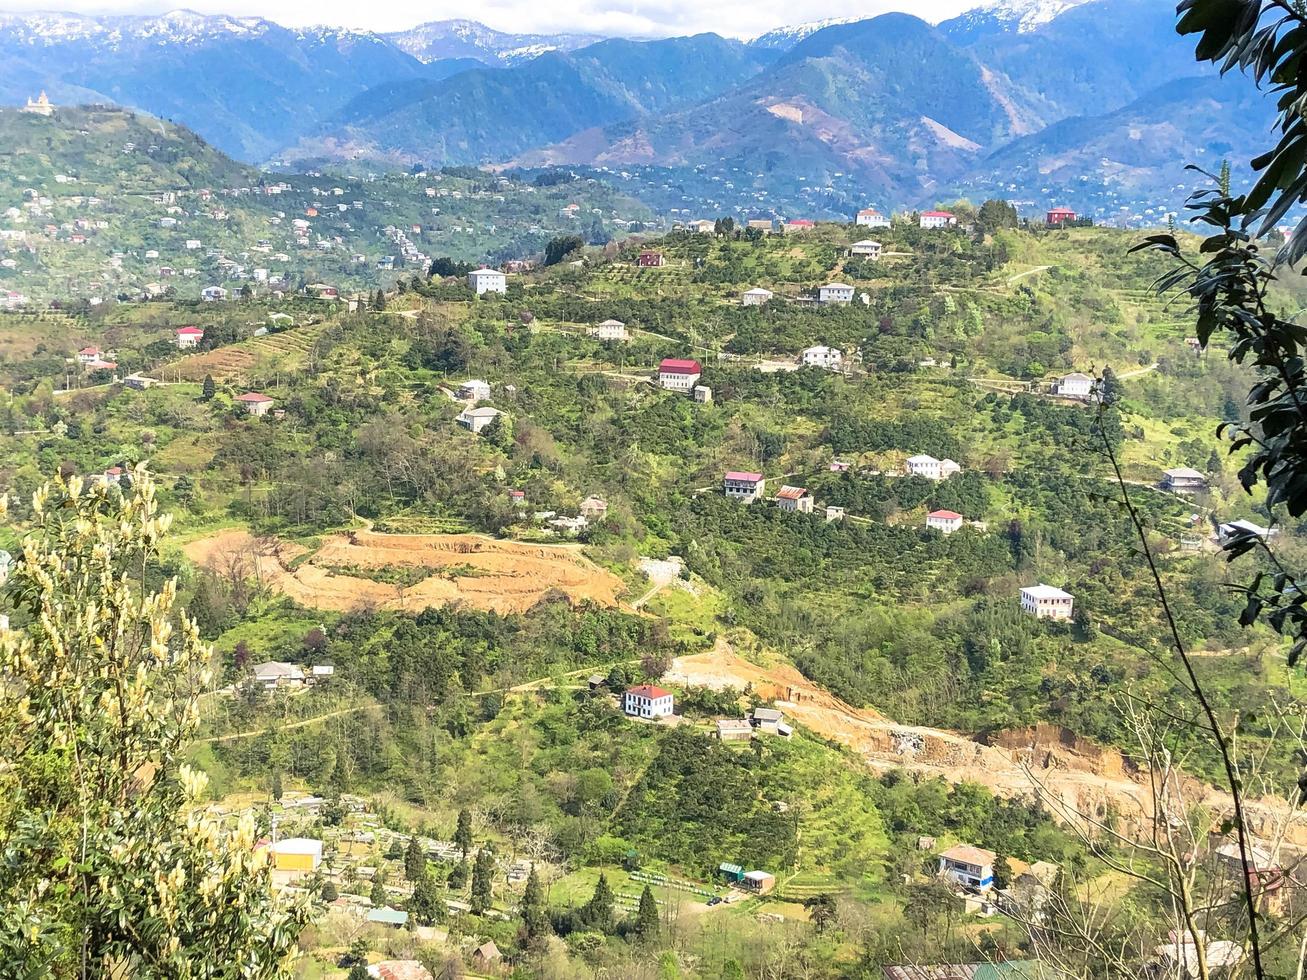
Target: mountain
889, 99
494, 114
246, 85
467, 39
1131, 152
784, 38
1005, 17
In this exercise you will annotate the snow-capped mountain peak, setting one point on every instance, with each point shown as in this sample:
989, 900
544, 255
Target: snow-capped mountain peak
787, 37
1009, 16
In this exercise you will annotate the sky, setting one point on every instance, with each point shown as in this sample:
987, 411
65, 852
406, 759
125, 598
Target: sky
631, 18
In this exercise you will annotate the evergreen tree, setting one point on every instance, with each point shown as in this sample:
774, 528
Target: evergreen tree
425, 904
208, 388
276, 785
598, 912
1002, 872
463, 833
482, 890
822, 910
379, 303
415, 860
358, 972
379, 896
1111, 387
532, 907
458, 875
646, 917
329, 892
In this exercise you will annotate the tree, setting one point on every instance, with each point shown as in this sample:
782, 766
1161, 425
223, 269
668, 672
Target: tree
329, 892
415, 860
463, 832
357, 954
379, 301
646, 916
483, 869
358, 972
1110, 387
598, 912
534, 917
275, 788
426, 904
561, 246
1002, 872
822, 910
378, 895
208, 389
995, 214
99, 817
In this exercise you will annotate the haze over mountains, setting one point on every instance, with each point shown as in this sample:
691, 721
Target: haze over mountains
1095, 102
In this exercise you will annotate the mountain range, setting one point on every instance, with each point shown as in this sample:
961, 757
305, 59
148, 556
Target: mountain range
1096, 102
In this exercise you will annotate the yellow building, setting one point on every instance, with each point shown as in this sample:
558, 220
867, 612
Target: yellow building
297, 854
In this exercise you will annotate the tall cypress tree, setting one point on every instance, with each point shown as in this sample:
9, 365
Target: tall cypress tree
646, 917
598, 912
415, 860
533, 907
463, 833
482, 891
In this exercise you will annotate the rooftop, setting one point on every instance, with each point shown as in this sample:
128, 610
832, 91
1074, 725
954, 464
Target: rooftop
648, 691
1045, 592
966, 854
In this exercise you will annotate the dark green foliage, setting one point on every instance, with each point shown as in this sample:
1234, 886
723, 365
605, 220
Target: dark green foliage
562, 246
646, 916
483, 869
696, 790
379, 895
600, 912
415, 860
535, 919
426, 904
463, 832
208, 388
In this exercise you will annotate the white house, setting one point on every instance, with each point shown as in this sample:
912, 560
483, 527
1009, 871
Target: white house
679, 374
609, 330
1074, 385
1182, 479
255, 403
821, 356
931, 468
866, 249
213, 294
794, 499
702, 394
487, 281
1046, 602
275, 673
476, 419
747, 487
647, 701
474, 390
835, 292
1232, 529
756, 296
189, 337
971, 867
193, 244
871, 218
946, 521
938, 219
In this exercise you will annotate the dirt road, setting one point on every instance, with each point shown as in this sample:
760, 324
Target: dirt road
1074, 775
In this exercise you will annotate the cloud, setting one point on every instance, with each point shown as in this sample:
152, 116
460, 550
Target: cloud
628, 18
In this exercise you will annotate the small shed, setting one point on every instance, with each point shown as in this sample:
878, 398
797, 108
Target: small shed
386, 916
731, 872
761, 882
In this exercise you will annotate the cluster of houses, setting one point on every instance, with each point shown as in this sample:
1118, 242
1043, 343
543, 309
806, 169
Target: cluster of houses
273, 675
746, 487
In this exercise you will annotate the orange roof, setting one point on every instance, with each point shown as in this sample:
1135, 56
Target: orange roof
792, 493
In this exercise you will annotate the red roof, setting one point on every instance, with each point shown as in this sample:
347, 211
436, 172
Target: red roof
89, 351
190, 332
1061, 211
937, 214
253, 397
868, 211
802, 222
792, 493
945, 515
736, 475
648, 691
679, 365
114, 471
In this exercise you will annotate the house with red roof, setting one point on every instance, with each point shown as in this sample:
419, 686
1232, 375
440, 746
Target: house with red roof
796, 500
188, 338
1060, 216
938, 219
649, 259
946, 521
800, 224
871, 218
679, 373
647, 701
746, 487
255, 403
88, 354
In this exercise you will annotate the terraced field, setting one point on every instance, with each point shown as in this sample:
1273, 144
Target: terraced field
288, 349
